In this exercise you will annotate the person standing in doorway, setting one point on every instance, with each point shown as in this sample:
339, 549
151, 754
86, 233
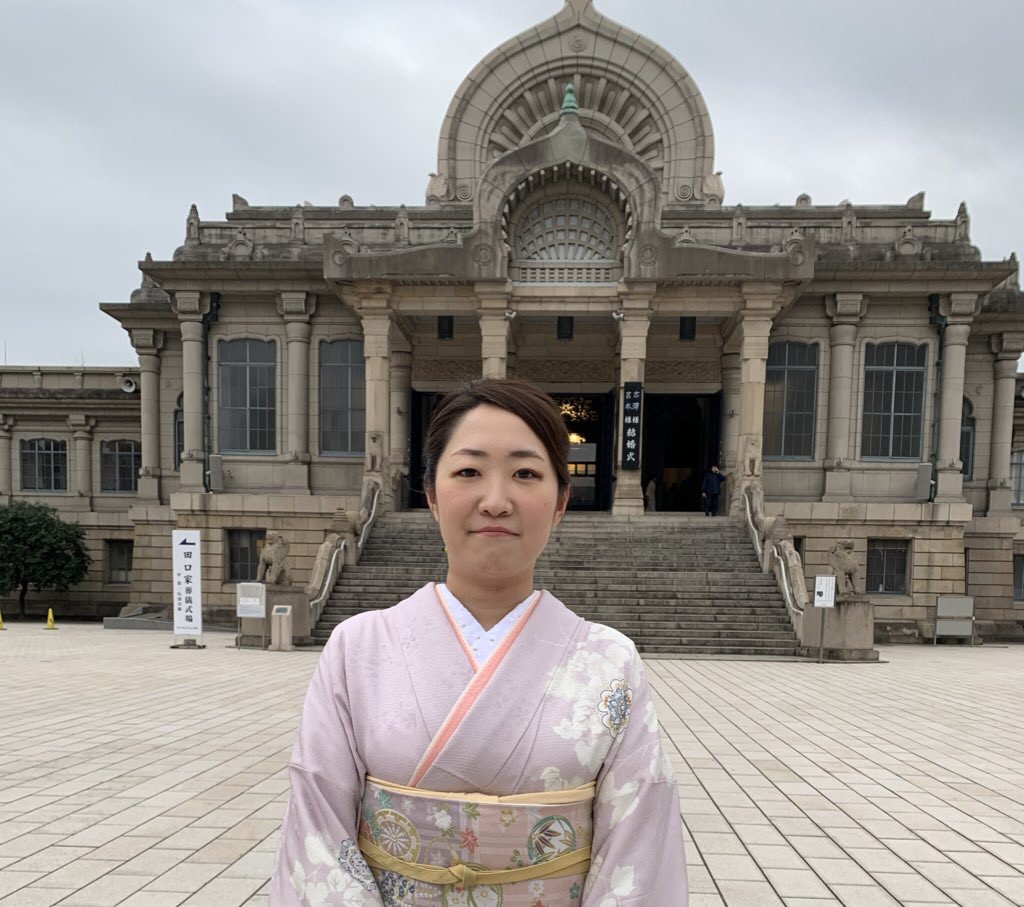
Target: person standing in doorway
710, 489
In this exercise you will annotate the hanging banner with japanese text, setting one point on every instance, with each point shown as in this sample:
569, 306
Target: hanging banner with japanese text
188, 582
632, 408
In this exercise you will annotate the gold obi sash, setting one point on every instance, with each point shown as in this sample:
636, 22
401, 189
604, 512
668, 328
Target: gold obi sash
461, 839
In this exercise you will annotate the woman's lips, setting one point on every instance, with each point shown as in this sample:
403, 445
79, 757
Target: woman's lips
493, 532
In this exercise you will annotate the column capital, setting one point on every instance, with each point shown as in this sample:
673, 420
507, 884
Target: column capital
81, 425
1007, 345
296, 306
190, 305
147, 341
960, 306
759, 296
956, 333
846, 308
6, 423
492, 294
369, 296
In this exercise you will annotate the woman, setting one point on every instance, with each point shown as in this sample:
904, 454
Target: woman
478, 744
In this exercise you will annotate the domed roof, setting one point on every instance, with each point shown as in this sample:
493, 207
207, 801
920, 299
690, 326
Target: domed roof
631, 92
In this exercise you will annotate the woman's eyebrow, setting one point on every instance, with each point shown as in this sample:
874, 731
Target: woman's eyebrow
525, 454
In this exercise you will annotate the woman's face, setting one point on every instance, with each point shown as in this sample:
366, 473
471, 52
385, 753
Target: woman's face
496, 496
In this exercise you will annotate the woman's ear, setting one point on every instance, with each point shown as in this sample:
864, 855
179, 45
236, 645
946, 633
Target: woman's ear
431, 501
562, 505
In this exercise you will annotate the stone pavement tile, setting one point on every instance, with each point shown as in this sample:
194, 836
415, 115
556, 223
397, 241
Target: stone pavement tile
225, 893
191, 838
749, 894
700, 879
251, 829
1011, 887
797, 883
839, 872
909, 887
701, 822
111, 889
716, 842
12, 881
864, 896
702, 900
36, 897
50, 859
914, 851
186, 876
124, 848
948, 876
981, 897
77, 874
154, 899
222, 850
983, 864
153, 862
97, 835
733, 867
758, 834
776, 856
1011, 853
253, 865
875, 859
808, 846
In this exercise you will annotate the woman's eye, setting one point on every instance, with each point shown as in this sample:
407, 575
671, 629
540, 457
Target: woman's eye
526, 474
467, 473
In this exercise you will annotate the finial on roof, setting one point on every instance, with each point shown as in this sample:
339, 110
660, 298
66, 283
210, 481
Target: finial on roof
569, 104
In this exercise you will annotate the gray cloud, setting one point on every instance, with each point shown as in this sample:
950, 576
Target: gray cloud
118, 115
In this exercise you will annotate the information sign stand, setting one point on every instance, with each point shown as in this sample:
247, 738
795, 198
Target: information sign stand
187, 565
251, 602
824, 598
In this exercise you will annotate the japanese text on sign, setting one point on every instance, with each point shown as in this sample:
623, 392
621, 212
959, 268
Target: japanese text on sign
186, 562
632, 408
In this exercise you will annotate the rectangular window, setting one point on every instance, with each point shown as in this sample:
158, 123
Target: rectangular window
342, 397
247, 411
120, 462
119, 561
1018, 577
893, 401
791, 380
44, 465
888, 560
1017, 475
244, 547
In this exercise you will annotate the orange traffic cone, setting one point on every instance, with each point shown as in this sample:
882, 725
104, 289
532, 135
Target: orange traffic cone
2, 627
50, 625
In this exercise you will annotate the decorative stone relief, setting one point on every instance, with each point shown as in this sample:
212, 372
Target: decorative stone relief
963, 224
714, 189
709, 370
445, 369
684, 192
240, 248
437, 188
483, 255
685, 236
402, 226
578, 42
908, 244
464, 193
192, 227
567, 370
298, 226
739, 227
849, 224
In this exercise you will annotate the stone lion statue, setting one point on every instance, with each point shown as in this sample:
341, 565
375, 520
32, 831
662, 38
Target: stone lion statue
272, 569
752, 456
843, 561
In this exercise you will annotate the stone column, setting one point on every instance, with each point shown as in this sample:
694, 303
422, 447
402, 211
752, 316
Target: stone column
81, 427
374, 308
730, 419
401, 384
297, 308
6, 452
759, 308
845, 310
191, 307
495, 328
635, 304
148, 344
1007, 349
959, 311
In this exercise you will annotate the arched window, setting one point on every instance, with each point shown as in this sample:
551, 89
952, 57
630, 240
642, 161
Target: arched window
567, 229
179, 431
120, 462
247, 411
1017, 475
893, 418
342, 397
791, 381
967, 440
44, 465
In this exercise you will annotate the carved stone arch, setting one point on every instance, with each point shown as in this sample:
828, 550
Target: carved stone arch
632, 93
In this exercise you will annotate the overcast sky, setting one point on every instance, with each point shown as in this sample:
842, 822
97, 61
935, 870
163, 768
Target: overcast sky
116, 116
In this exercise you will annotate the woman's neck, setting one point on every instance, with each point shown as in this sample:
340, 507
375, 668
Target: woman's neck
487, 602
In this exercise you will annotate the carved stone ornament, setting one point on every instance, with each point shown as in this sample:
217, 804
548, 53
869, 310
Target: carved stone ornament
295, 303
192, 227
464, 192
648, 256
147, 340
338, 256
273, 567
843, 562
685, 237
240, 248
684, 192
706, 370
483, 255
578, 42
446, 369
908, 244
567, 370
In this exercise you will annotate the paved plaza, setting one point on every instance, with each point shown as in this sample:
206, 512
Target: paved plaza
133, 774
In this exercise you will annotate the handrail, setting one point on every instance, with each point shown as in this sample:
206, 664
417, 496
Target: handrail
786, 591
316, 606
750, 525
369, 521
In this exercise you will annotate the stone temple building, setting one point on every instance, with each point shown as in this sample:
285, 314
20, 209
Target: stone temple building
857, 362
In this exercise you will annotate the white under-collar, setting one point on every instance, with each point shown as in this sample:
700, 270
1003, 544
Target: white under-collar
481, 642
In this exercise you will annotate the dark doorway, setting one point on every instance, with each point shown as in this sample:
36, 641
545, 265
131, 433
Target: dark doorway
590, 420
423, 406
681, 440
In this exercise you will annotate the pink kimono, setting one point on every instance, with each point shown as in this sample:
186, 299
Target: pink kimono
410, 750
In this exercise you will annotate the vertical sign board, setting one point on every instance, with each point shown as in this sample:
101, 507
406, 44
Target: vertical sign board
632, 407
824, 591
188, 582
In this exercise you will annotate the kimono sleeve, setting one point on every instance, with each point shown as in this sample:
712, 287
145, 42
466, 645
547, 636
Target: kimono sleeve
637, 858
318, 861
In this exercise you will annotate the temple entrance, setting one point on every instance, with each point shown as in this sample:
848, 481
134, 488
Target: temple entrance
423, 406
681, 440
590, 421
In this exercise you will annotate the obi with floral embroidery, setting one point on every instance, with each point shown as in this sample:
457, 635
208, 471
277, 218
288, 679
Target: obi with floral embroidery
428, 848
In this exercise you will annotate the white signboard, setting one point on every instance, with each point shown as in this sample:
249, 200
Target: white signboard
824, 591
188, 582
252, 600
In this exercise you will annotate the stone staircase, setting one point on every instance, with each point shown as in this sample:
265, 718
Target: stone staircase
676, 584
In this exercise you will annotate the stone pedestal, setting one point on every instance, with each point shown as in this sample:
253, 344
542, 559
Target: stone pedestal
849, 630
253, 628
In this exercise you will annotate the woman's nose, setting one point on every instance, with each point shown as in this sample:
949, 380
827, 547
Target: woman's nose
496, 500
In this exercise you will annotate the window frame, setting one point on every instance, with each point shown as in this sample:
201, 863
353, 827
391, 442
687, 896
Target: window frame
1018, 577
132, 475
1017, 475
249, 366
784, 413
968, 433
257, 538
358, 437
178, 432
109, 547
895, 545
891, 413
59, 458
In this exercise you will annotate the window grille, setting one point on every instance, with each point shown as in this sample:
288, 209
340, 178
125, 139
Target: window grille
894, 378
247, 411
342, 397
119, 561
120, 462
1018, 577
44, 465
244, 547
179, 431
967, 440
887, 566
791, 380
1017, 475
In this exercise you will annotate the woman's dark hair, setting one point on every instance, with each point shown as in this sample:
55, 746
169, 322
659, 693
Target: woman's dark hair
518, 397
